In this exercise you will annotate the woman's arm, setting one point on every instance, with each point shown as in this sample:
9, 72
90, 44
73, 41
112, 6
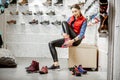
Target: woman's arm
82, 31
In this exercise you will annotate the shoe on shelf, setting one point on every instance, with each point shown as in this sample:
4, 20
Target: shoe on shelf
14, 13
56, 22
11, 22
75, 71
27, 12
44, 70
34, 67
45, 22
13, 2
54, 67
51, 13
47, 3
23, 2
33, 21
38, 13
59, 3
2, 8
81, 70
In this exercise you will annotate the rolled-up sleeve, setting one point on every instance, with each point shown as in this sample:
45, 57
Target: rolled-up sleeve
82, 30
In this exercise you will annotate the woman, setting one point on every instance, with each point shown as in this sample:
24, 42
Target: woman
73, 33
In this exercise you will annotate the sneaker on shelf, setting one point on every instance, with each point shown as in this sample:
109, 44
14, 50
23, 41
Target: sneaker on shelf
45, 22
44, 70
27, 12
56, 22
34, 67
59, 3
33, 21
38, 13
54, 67
81, 70
51, 13
47, 3
11, 22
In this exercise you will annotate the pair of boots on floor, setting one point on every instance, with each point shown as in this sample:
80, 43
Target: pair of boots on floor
34, 68
78, 70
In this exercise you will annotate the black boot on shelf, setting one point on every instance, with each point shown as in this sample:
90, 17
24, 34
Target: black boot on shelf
13, 2
59, 3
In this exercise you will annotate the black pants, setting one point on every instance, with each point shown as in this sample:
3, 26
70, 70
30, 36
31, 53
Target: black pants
59, 42
1, 42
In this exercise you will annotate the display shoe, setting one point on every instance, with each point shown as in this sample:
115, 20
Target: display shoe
81, 70
2, 8
38, 13
48, 3
56, 22
11, 22
59, 3
51, 13
65, 45
54, 67
34, 67
14, 13
13, 2
75, 71
6, 5
23, 2
45, 22
44, 70
34, 22
27, 12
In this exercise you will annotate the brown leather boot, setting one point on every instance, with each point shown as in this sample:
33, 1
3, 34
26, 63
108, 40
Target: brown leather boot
34, 67
11, 22
23, 2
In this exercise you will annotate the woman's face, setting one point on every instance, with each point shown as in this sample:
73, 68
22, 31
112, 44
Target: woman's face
75, 12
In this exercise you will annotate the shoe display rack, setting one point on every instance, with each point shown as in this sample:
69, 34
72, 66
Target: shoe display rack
31, 25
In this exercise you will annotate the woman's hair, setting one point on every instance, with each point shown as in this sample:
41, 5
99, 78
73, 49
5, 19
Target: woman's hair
77, 6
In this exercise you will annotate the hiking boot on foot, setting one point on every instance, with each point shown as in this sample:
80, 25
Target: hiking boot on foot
65, 45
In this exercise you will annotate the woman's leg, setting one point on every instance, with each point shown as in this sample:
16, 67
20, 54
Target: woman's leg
52, 45
69, 32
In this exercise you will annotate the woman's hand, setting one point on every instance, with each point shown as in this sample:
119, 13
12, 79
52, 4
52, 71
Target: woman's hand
69, 42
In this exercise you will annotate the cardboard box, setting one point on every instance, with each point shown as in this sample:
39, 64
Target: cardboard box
86, 55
